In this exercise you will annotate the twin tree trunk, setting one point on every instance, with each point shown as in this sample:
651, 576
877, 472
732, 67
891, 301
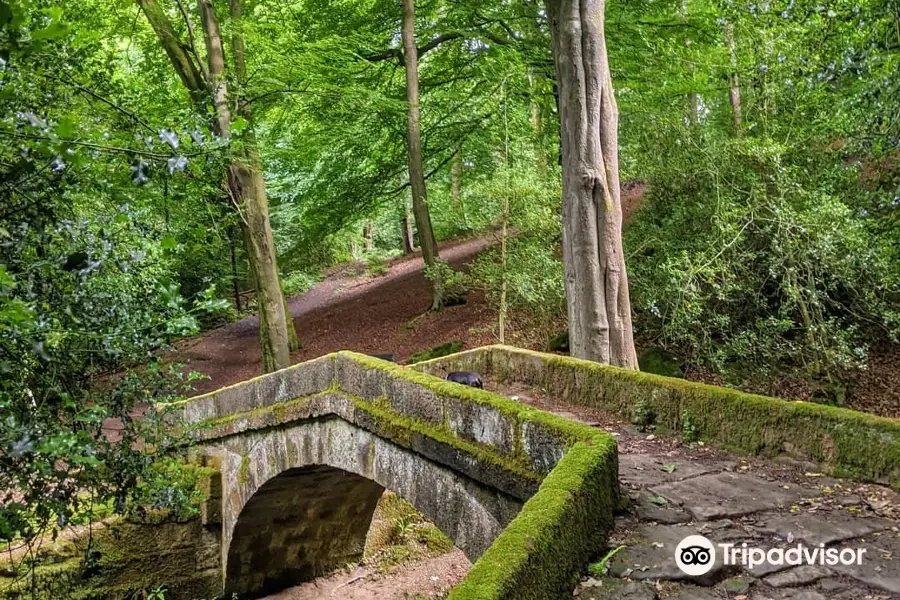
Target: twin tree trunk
245, 184
414, 152
599, 307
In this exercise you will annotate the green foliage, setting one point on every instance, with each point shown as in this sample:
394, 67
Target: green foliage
436, 352
749, 266
643, 416
688, 429
376, 266
297, 282
599, 568
454, 283
90, 280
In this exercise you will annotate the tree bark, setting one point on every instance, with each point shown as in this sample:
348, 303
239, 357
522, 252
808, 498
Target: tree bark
248, 192
414, 152
235, 287
188, 71
734, 86
367, 236
599, 308
251, 152
409, 244
456, 177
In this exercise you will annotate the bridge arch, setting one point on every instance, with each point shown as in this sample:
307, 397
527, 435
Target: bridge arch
298, 501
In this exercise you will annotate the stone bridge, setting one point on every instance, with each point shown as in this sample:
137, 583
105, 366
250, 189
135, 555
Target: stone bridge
302, 456
291, 465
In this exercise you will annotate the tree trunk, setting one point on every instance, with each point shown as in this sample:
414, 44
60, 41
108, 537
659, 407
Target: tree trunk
251, 152
599, 307
367, 236
188, 71
248, 192
235, 287
734, 86
244, 175
409, 243
414, 152
456, 177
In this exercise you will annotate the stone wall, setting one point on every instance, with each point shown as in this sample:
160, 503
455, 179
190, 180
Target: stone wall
126, 558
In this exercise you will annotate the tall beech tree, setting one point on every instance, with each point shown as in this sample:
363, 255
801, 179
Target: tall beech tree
244, 181
414, 152
599, 308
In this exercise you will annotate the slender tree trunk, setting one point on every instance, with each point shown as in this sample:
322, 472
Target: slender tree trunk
235, 287
244, 176
504, 235
251, 154
597, 299
367, 236
414, 152
188, 71
456, 177
537, 126
248, 192
693, 98
734, 86
409, 244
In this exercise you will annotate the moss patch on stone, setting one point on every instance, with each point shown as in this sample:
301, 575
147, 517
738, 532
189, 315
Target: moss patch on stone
538, 556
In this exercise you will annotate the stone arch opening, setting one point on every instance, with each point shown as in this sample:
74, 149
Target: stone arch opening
302, 523
298, 501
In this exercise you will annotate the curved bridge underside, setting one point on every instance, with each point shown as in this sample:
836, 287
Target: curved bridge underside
301, 500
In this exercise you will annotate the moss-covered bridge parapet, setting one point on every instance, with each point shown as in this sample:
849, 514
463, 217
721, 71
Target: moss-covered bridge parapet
305, 452
844, 442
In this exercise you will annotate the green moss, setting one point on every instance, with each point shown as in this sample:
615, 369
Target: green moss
538, 556
244, 470
402, 430
435, 352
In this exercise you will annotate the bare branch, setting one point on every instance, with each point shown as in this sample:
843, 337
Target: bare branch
398, 52
191, 39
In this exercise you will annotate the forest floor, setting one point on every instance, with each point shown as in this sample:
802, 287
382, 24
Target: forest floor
350, 309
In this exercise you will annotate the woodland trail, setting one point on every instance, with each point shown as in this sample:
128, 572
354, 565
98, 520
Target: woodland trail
349, 309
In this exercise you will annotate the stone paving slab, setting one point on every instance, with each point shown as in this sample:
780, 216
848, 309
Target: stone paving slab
646, 470
880, 567
822, 528
725, 494
651, 556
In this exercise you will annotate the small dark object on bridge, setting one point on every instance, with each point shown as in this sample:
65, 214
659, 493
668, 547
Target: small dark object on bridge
466, 378
389, 357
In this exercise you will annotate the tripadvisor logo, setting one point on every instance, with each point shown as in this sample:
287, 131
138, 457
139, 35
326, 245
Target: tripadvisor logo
695, 555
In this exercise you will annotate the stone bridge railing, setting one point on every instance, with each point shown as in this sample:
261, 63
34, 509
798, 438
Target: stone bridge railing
297, 459
845, 443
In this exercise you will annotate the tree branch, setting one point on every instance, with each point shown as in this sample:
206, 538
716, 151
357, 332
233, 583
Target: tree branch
398, 52
191, 40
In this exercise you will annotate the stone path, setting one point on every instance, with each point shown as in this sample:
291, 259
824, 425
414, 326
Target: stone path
675, 490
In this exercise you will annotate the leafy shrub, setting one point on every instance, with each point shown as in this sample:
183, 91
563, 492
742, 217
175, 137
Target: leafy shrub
298, 282
749, 265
